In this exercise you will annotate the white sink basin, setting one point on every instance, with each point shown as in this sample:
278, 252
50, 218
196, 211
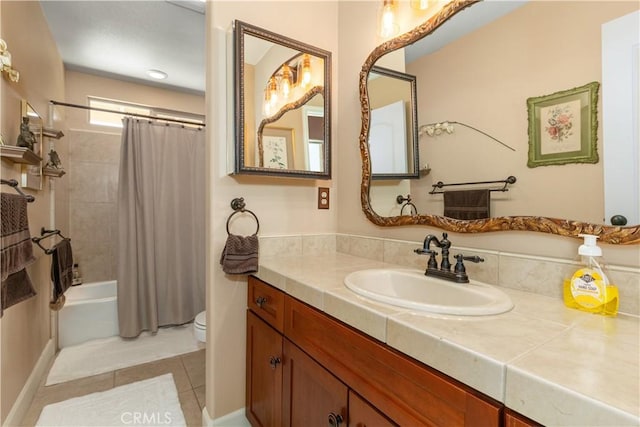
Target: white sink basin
412, 289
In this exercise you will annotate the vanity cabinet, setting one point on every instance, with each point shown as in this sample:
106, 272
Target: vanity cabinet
325, 372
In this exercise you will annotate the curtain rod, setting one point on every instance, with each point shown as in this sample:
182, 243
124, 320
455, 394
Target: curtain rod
144, 116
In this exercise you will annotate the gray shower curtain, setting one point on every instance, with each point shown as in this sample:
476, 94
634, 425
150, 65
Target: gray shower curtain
161, 214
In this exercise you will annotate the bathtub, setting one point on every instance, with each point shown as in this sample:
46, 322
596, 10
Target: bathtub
90, 312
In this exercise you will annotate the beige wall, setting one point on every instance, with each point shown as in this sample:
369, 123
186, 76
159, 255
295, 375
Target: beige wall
26, 326
356, 42
93, 166
283, 205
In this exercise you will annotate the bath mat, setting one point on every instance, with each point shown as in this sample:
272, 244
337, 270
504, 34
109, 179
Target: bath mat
152, 402
108, 354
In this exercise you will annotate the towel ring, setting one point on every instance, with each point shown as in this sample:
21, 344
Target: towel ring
238, 206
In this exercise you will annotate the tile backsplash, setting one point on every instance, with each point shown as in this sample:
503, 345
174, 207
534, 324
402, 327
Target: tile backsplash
527, 273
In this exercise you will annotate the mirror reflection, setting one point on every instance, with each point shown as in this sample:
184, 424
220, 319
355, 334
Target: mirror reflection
472, 105
393, 136
282, 104
32, 126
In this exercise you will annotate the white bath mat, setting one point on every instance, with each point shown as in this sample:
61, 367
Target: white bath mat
108, 354
152, 402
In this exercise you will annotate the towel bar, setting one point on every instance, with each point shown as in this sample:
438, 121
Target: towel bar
510, 180
238, 206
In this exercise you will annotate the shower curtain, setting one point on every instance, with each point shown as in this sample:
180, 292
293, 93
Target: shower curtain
161, 215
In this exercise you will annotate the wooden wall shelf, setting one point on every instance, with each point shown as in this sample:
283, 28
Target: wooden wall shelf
55, 173
19, 155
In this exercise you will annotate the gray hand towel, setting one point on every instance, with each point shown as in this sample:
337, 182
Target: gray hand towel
467, 204
16, 251
240, 254
61, 271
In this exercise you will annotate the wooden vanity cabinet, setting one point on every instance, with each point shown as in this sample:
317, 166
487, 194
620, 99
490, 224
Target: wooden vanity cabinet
264, 373
332, 374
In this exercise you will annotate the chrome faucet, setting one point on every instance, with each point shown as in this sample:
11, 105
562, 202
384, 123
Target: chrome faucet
459, 273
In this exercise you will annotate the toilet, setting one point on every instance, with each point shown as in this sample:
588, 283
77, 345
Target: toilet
200, 326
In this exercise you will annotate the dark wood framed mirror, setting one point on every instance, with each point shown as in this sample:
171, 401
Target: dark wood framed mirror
282, 95
539, 223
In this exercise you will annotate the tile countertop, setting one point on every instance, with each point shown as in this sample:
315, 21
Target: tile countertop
555, 365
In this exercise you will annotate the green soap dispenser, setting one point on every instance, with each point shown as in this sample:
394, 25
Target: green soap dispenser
589, 288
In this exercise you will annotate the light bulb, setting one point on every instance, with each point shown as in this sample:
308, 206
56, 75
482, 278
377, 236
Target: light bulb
388, 25
273, 91
285, 83
304, 70
420, 4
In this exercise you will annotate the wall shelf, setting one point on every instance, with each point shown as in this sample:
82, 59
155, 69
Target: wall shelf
19, 155
54, 173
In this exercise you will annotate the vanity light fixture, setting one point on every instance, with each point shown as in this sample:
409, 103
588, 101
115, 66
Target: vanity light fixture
436, 129
157, 74
387, 19
5, 59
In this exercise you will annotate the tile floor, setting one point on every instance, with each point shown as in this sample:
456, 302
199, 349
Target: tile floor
188, 373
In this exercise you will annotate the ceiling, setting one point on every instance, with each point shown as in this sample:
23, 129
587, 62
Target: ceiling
125, 39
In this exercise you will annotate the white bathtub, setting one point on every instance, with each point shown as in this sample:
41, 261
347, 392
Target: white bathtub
90, 312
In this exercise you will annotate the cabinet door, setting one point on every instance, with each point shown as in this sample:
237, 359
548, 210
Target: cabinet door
312, 396
264, 373
513, 419
362, 414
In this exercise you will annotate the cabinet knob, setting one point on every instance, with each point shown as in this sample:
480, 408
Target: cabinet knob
274, 361
260, 301
335, 419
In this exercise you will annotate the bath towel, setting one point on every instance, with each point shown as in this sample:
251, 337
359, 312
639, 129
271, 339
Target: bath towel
467, 204
61, 271
240, 254
16, 251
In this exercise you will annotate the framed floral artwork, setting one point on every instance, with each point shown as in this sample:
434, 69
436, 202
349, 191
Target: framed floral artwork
277, 145
563, 127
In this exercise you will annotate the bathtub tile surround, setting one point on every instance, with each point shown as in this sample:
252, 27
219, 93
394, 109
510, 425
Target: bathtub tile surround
183, 367
94, 161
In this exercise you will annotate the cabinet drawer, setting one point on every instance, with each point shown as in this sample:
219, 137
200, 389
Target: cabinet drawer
267, 302
405, 390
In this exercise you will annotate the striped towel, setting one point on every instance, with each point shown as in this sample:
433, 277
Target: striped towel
16, 251
240, 254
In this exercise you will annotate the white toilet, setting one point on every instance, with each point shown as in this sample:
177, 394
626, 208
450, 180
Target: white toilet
200, 326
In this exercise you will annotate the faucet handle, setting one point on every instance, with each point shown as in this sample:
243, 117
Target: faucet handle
459, 268
422, 251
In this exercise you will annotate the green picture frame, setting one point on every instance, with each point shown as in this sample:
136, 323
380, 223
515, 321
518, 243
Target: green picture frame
563, 127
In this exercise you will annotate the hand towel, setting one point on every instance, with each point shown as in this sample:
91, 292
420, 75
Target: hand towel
16, 251
240, 254
467, 204
61, 271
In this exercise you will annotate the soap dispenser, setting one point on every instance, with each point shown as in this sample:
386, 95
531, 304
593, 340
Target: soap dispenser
589, 288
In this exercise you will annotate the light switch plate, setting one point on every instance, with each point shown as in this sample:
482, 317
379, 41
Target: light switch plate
323, 197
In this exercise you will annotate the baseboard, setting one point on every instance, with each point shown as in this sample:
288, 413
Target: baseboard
233, 419
22, 403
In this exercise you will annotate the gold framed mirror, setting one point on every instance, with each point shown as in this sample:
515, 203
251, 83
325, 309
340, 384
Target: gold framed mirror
282, 105
539, 223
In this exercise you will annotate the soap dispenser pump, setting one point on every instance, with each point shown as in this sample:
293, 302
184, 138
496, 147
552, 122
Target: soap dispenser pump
589, 288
